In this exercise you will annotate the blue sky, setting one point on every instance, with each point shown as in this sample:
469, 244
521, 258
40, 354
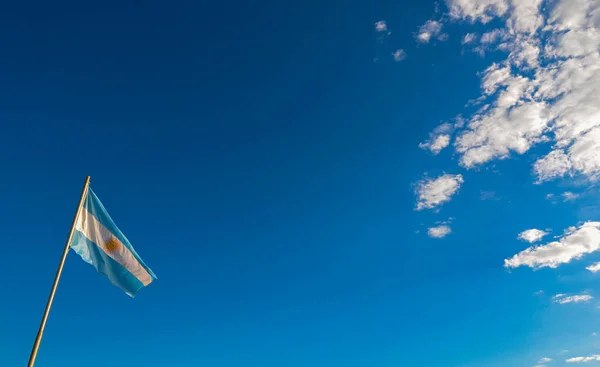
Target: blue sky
373, 183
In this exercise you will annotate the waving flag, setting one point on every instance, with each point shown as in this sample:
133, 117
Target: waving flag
100, 243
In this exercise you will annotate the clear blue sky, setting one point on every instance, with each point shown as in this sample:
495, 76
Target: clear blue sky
264, 160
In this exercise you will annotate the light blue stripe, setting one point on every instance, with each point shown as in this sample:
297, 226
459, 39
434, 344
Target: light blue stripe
116, 273
95, 207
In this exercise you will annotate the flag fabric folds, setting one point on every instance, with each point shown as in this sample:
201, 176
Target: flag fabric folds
100, 243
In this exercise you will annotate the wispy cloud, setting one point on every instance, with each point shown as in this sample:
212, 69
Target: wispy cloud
399, 55
594, 357
431, 30
564, 299
569, 196
488, 195
493, 36
542, 362
469, 38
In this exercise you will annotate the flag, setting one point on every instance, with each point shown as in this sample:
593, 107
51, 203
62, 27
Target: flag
100, 243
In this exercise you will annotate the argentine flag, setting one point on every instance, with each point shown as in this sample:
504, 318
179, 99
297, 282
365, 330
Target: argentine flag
100, 243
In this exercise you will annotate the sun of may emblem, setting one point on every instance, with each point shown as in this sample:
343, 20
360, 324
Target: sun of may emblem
113, 245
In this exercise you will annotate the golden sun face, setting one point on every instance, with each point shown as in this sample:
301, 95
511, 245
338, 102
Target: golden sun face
112, 245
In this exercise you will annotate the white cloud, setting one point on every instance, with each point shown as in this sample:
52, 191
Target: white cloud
437, 143
443, 37
583, 156
492, 40
468, 38
431, 30
381, 26
532, 235
555, 164
435, 192
493, 77
492, 36
564, 299
569, 196
399, 55
439, 231
594, 268
545, 360
497, 132
573, 245
488, 195
525, 17
594, 357
482, 10
439, 138
544, 91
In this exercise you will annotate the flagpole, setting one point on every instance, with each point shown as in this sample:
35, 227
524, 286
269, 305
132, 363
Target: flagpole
38, 338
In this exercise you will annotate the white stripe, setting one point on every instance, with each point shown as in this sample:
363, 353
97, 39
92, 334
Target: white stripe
98, 234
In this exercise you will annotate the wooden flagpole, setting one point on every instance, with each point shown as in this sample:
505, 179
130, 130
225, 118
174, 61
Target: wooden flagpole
38, 338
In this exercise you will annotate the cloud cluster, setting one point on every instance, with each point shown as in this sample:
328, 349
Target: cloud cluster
382, 29
574, 244
564, 299
544, 91
432, 193
532, 235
